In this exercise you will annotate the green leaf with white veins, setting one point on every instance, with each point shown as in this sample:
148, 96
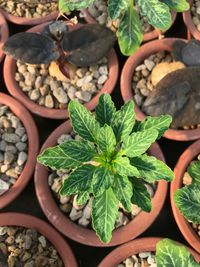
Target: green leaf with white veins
194, 171
83, 121
66, 6
122, 166
123, 121
106, 139
152, 169
104, 214
122, 189
140, 195
177, 5
82, 198
172, 254
105, 109
156, 13
117, 7
187, 200
138, 143
129, 33
78, 181
102, 180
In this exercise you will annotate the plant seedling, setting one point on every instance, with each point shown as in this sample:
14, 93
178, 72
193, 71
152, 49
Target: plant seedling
109, 163
57, 43
129, 33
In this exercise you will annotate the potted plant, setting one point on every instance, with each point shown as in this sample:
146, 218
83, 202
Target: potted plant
111, 155
129, 33
4, 33
35, 243
27, 13
47, 88
19, 145
151, 251
184, 193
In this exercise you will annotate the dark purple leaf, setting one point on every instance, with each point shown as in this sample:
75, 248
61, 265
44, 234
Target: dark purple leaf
177, 50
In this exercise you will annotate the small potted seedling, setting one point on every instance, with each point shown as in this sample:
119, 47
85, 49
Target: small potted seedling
109, 163
58, 59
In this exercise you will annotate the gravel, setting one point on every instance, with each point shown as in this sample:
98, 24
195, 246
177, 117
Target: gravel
45, 90
195, 12
143, 259
13, 148
30, 8
26, 247
82, 214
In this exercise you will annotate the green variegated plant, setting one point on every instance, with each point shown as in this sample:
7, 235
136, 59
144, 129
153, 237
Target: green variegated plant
129, 33
187, 198
109, 162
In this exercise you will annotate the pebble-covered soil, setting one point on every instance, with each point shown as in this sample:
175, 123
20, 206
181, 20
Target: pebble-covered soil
13, 148
27, 248
29, 8
37, 83
82, 214
143, 259
195, 12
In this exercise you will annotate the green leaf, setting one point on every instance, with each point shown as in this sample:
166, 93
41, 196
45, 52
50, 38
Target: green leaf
172, 254
83, 121
123, 121
105, 109
140, 195
129, 33
187, 200
123, 167
102, 180
82, 198
66, 6
104, 214
177, 5
80, 180
152, 169
106, 139
117, 7
138, 143
156, 13
123, 191
161, 124
194, 172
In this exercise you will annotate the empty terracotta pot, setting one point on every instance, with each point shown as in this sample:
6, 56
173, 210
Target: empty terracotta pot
181, 167
16, 91
83, 235
28, 221
4, 33
146, 244
33, 147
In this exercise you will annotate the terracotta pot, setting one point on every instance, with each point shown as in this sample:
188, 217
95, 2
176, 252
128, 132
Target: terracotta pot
4, 33
126, 80
147, 36
78, 233
28, 221
29, 21
184, 161
33, 147
16, 91
187, 18
146, 244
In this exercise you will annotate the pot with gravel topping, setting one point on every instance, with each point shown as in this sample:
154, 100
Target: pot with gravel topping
19, 145
4, 33
44, 89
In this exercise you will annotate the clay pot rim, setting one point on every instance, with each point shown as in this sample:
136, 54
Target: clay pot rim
78, 233
29, 221
127, 92
33, 148
147, 36
14, 89
183, 162
3, 35
145, 244
29, 21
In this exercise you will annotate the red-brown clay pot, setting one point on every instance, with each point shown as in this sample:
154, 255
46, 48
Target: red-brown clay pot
187, 18
147, 36
146, 244
28, 221
16, 91
184, 161
4, 33
126, 80
33, 148
78, 233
